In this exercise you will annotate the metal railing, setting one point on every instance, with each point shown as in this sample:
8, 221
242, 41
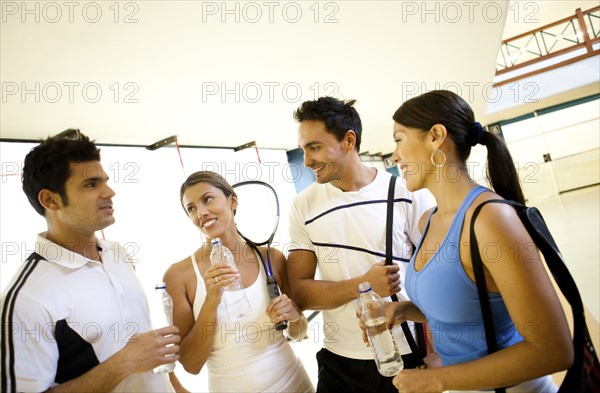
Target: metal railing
576, 33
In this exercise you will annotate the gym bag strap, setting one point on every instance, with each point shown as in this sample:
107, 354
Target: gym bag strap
584, 374
416, 350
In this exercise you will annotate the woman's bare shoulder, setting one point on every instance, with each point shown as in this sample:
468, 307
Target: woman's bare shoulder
179, 270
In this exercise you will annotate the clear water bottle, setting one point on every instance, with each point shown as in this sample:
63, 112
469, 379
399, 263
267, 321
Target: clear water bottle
162, 315
234, 295
387, 357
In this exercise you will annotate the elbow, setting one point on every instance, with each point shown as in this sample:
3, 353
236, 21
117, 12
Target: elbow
569, 357
190, 366
300, 304
564, 357
192, 369
297, 297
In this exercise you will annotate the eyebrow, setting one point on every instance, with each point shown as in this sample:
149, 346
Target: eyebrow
309, 144
95, 179
201, 196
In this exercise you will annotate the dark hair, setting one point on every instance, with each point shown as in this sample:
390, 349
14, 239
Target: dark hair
338, 116
47, 166
209, 177
448, 109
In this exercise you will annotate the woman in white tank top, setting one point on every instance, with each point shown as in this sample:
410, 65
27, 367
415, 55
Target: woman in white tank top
244, 356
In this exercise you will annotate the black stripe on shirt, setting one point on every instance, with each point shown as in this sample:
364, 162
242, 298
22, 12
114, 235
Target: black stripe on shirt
7, 328
379, 254
353, 205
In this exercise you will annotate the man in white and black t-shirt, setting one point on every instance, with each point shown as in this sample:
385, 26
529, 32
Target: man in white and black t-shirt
337, 225
75, 317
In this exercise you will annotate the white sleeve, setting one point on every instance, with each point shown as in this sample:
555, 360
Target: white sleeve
34, 349
422, 200
299, 237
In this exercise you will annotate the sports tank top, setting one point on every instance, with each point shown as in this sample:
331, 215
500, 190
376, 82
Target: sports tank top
443, 291
250, 355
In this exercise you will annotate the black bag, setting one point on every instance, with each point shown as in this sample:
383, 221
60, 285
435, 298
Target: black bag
584, 374
417, 348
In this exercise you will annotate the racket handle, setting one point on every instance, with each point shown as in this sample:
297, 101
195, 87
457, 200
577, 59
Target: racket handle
281, 325
273, 293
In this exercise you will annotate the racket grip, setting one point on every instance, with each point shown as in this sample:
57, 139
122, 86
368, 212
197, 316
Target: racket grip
273, 293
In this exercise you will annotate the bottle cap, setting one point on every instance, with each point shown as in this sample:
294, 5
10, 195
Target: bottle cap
364, 287
160, 285
215, 242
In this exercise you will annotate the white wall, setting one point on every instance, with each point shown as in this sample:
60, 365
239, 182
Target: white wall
150, 222
570, 136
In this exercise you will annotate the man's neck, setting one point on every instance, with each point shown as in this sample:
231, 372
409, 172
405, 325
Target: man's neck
357, 177
85, 246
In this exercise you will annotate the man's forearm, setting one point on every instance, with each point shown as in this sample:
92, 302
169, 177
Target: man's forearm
102, 378
311, 294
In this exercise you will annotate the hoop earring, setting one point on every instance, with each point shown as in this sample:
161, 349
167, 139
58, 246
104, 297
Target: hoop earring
438, 165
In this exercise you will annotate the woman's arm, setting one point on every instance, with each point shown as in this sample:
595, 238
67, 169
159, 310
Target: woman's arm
515, 269
197, 337
283, 308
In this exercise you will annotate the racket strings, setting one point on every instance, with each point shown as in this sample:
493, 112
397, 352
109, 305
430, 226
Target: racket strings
257, 216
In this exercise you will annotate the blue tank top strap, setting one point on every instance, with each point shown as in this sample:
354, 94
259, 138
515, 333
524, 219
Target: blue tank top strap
459, 217
433, 210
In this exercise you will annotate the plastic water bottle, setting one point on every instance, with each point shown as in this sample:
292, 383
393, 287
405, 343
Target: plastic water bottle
234, 295
387, 357
162, 308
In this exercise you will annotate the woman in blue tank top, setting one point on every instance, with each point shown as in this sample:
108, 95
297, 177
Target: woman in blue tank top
434, 134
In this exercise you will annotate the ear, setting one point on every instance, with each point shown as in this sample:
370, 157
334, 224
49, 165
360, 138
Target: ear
50, 200
349, 140
437, 135
234, 202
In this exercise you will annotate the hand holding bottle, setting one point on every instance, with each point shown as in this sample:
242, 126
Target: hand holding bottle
236, 302
216, 278
373, 315
162, 317
149, 350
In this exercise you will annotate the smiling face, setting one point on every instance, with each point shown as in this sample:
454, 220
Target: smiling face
323, 153
209, 209
88, 207
412, 154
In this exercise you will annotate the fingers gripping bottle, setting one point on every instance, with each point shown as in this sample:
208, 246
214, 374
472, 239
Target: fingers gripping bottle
234, 295
387, 357
162, 315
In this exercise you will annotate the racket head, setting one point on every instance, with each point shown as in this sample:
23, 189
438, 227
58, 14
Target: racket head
257, 213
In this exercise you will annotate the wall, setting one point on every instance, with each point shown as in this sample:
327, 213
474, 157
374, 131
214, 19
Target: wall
150, 222
556, 150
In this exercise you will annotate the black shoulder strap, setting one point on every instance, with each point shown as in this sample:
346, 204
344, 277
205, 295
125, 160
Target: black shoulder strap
536, 227
484, 300
389, 225
388, 261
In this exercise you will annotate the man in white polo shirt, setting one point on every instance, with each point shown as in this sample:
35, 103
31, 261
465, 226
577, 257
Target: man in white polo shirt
75, 317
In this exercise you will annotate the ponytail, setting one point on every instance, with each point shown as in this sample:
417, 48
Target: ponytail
501, 171
447, 108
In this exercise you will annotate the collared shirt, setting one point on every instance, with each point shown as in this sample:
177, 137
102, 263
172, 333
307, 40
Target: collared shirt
62, 314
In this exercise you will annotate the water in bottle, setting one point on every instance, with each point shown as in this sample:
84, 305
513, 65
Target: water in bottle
234, 295
387, 357
162, 315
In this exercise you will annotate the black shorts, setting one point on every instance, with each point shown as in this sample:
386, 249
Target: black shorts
340, 374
